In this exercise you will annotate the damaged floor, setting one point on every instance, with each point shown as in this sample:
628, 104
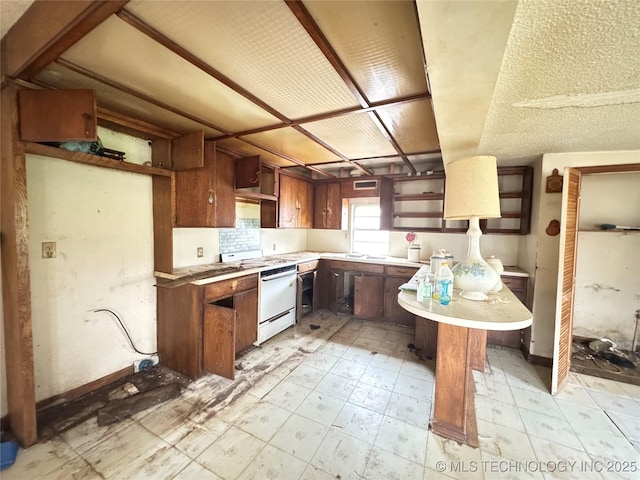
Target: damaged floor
350, 400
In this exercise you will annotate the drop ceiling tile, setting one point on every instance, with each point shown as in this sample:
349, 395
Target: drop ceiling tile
294, 144
118, 51
355, 135
246, 149
412, 125
58, 76
379, 43
259, 45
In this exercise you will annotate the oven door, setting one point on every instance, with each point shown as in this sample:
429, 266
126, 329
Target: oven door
277, 294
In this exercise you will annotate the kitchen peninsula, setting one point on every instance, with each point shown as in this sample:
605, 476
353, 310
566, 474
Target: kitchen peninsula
462, 339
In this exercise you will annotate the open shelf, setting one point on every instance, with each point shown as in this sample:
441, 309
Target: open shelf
96, 161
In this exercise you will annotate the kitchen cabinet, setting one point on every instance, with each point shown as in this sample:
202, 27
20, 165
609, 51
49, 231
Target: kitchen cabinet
393, 312
417, 203
327, 206
201, 328
368, 297
58, 115
306, 298
257, 181
205, 197
295, 202
511, 338
366, 290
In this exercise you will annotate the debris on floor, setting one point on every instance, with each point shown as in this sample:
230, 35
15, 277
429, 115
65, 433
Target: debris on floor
66, 413
601, 357
121, 409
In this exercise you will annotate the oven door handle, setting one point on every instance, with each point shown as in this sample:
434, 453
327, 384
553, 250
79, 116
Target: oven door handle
279, 275
277, 317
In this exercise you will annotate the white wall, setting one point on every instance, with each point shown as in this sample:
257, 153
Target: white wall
101, 221
607, 262
547, 207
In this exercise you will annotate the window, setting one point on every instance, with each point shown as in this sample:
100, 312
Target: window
366, 236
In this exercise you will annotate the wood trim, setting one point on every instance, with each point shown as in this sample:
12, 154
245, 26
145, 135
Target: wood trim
134, 93
629, 167
16, 284
48, 29
337, 113
84, 389
163, 214
478, 345
131, 126
387, 134
149, 31
94, 160
309, 24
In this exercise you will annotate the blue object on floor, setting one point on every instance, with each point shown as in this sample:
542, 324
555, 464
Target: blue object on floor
8, 452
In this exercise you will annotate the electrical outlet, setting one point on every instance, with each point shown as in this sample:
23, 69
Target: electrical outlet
48, 249
146, 363
274, 247
200, 252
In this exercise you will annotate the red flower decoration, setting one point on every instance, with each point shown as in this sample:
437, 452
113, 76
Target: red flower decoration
410, 237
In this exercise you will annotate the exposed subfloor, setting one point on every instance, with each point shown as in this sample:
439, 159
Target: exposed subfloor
583, 361
350, 400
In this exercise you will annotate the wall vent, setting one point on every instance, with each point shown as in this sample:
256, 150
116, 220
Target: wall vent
365, 184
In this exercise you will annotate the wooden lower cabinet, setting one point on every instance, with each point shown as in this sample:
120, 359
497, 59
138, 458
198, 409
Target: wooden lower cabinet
219, 339
368, 299
511, 338
202, 328
375, 289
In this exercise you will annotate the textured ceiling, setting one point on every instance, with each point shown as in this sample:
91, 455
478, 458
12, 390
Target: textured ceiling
520, 79
342, 84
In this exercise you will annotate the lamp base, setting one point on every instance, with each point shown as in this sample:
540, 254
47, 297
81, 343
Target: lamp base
474, 296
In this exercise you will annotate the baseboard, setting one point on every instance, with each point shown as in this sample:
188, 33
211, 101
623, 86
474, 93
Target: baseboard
535, 359
83, 389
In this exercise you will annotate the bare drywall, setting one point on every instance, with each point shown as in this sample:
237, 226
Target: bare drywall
549, 207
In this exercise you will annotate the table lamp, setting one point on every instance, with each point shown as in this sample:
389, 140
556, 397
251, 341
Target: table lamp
471, 193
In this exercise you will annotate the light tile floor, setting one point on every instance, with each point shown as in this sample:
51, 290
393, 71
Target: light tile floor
356, 406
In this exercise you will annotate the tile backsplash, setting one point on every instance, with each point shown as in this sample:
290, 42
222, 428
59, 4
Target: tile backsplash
245, 237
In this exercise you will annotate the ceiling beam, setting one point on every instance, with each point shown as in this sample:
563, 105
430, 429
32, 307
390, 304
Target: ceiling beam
334, 114
46, 30
312, 28
134, 93
163, 40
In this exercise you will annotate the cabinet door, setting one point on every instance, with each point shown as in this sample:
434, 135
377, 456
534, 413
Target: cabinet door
333, 218
58, 115
187, 151
203, 199
246, 306
305, 206
248, 172
327, 206
393, 312
320, 205
224, 198
368, 296
219, 340
288, 202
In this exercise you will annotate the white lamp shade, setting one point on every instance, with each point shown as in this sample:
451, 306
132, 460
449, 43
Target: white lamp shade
472, 188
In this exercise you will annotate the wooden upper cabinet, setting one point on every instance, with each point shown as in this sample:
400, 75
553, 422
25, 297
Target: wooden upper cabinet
295, 203
187, 151
248, 172
205, 197
327, 206
58, 115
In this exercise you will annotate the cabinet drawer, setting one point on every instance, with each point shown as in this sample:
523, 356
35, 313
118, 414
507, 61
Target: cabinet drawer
356, 266
228, 288
307, 266
516, 283
405, 272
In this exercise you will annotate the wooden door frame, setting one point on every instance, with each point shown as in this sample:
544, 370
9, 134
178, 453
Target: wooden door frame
568, 260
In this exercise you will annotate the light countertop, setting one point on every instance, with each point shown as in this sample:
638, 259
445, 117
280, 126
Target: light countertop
502, 311
213, 272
